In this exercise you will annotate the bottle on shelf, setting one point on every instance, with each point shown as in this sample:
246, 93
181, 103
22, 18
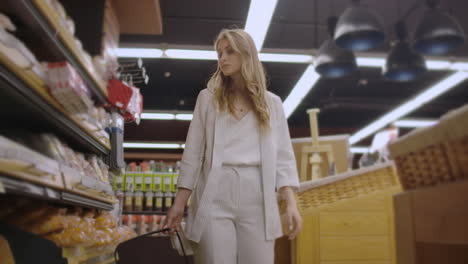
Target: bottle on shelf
159, 201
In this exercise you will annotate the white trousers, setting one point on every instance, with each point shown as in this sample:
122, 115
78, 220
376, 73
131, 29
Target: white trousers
235, 233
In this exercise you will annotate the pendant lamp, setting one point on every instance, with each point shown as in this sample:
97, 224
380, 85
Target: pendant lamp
403, 63
438, 32
333, 61
359, 29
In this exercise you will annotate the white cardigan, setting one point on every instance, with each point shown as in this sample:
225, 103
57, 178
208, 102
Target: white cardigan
203, 156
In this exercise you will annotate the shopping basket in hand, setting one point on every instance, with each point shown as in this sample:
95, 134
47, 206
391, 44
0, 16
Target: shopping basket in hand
146, 248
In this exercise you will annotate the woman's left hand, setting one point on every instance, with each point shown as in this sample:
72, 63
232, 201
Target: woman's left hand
294, 221
292, 213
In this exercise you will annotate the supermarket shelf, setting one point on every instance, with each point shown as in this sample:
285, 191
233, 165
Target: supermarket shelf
42, 18
26, 88
81, 200
12, 185
144, 213
19, 186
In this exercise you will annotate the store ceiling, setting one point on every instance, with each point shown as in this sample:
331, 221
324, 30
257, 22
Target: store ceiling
346, 104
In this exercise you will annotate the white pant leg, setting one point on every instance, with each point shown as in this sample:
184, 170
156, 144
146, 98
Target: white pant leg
253, 248
218, 243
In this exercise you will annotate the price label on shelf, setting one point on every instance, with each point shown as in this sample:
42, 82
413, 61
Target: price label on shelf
148, 180
2, 188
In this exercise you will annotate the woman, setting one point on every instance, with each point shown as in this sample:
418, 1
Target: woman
237, 156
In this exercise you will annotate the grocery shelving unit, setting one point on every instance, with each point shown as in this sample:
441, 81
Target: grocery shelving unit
26, 104
41, 20
25, 89
17, 186
35, 249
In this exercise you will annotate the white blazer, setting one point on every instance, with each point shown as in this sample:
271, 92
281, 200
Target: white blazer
203, 157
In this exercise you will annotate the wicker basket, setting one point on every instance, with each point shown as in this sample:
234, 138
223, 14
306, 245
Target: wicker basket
456, 124
434, 155
347, 185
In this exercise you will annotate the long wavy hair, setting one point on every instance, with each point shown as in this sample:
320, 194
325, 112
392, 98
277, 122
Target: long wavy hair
251, 71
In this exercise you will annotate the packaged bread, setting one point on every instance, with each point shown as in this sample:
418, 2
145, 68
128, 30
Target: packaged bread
105, 220
53, 222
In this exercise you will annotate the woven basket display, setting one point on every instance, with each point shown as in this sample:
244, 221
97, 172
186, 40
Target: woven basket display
434, 155
347, 185
456, 124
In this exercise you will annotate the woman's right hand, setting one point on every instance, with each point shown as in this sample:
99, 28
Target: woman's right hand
174, 217
175, 214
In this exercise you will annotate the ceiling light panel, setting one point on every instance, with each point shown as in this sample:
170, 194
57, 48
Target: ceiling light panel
158, 116
258, 20
139, 53
406, 108
307, 81
413, 123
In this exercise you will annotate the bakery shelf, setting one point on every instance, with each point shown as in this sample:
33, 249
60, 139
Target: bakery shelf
44, 21
18, 186
30, 248
29, 95
14, 185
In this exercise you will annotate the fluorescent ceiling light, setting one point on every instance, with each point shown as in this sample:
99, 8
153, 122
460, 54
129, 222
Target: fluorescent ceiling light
291, 58
437, 64
412, 123
370, 62
258, 20
158, 116
375, 62
359, 150
184, 116
191, 54
151, 145
139, 53
459, 66
302, 88
404, 109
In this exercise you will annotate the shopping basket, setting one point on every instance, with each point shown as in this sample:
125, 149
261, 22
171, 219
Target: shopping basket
147, 248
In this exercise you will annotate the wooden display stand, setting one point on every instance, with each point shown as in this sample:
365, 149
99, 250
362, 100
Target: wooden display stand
431, 224
319, 157
348, 218
340, 147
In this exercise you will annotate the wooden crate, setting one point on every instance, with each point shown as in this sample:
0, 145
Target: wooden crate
431, 224
348, 218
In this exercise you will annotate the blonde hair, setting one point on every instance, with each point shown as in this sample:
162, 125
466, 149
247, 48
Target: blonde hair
251, 71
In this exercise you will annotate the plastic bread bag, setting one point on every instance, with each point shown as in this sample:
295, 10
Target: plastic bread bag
93, 162
104, 170
55, 221
70, 237
105, 220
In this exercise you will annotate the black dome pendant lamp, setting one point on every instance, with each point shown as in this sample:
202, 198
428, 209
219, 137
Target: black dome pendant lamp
438, 32
403, 63
333, 61
359, 29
